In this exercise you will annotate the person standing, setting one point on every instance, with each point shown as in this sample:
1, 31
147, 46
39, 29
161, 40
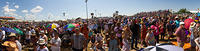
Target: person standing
11, 44
143, 34
55, 43
135, 33
196, 35
169, 30
2, 35
126, 46
34, 40
84, 29
113, 43
180, 34
155, 32
43, 36
19, 45
28, 36
191, 30
42, 46
99, 42
78, 41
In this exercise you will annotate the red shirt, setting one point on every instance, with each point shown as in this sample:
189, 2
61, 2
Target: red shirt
85, 31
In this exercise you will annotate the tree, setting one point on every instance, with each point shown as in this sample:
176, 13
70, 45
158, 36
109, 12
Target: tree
184, 10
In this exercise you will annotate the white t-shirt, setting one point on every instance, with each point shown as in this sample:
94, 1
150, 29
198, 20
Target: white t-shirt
43, 37
33, 31
19, 45
28, 34
44, 49
2, 33
57, 42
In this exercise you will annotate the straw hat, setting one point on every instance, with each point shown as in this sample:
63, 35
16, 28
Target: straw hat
12, 34
192, 24
41, 41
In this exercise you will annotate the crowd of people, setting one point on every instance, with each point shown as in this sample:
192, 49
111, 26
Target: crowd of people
116, 34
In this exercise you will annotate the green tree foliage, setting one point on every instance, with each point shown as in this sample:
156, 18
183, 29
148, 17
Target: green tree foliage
184, 10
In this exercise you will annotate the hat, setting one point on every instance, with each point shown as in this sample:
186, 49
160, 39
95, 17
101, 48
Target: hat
192, 24
176, 17
190, 17
41, 41
181, 23
12, 34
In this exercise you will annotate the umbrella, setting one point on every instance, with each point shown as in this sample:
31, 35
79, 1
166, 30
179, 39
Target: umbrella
18, 31
56, 24
52, 26
76, 25
164, 47
48, 25
72, 25
65, 26
187, 22
3, 28
8, 29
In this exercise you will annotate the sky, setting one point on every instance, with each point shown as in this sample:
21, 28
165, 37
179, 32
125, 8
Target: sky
54, 9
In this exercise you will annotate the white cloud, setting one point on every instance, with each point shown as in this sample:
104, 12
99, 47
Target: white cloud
7, 2
25, 11
12, 10
16, 6
20, 16
29, 15
37, 9
10, 14
6, 9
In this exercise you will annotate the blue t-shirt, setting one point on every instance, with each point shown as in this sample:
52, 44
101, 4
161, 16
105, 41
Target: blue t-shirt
177, 23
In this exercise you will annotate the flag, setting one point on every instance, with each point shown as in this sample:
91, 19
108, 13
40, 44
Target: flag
18, 31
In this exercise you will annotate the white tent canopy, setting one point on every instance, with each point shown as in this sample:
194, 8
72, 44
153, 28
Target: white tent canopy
194, 11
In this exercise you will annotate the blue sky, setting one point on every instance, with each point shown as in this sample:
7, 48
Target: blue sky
53, 9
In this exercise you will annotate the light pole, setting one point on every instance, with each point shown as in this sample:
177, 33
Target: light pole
95, 13
86, 8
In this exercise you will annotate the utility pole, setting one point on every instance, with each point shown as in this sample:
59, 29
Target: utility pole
95, 12
86, 8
